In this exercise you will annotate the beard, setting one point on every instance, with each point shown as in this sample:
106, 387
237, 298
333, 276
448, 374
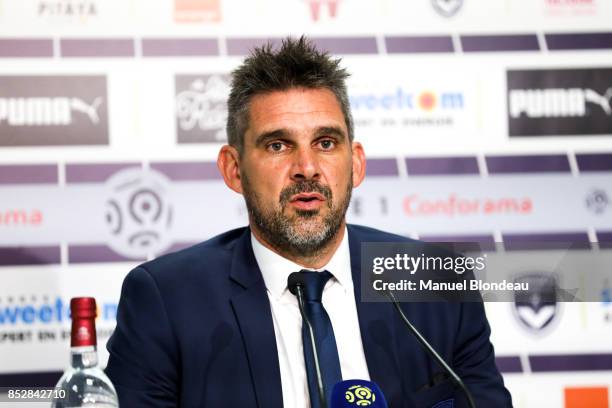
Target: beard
304, 233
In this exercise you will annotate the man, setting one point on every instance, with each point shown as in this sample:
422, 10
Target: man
216, 326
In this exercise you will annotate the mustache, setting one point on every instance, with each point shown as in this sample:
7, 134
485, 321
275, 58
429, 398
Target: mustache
306, 186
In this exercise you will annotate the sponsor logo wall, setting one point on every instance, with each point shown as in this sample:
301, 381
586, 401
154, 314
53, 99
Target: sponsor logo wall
111, 115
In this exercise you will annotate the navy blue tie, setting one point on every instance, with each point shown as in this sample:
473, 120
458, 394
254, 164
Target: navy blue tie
314, 282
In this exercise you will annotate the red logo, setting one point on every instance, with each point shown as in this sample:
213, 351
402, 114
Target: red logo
427, 101
581, 397
453, 205
316, 7
197, 11
570, 7
20, 217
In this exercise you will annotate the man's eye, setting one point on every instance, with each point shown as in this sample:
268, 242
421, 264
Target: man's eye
327, 144
276, 146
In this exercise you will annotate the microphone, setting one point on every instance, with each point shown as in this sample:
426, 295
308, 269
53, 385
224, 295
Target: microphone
357, 393
295, 283
431, 350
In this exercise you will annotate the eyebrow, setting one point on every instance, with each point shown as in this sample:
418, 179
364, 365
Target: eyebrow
267, 136
283, 134
332, 131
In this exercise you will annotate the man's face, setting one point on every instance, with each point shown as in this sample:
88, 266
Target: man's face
297, 168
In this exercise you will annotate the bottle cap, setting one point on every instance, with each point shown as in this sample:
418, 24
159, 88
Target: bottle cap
83, 311
83, 307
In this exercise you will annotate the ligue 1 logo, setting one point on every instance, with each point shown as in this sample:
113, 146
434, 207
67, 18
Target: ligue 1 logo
138, 212
597, 201
537, 308
360, 396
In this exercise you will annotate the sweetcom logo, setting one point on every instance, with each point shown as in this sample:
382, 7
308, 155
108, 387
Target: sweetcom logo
401, 99
44, 310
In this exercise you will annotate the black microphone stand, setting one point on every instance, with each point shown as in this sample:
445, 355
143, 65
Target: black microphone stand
431, 350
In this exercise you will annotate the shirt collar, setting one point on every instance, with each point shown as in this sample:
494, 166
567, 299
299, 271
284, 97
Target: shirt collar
275, 269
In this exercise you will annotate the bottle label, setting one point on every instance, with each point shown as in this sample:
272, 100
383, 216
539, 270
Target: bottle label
83, 332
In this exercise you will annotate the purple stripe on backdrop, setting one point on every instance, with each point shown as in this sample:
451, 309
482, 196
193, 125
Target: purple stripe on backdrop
177, 246
605, 239
485, 242
432, 166
487, 43
579, 362
243, 46
568, 240
347, 45
528, 164
579, 41
96, 253
26, 48
187, 171
28, 174
179, 47
418, 44
31, 255
509, 364
381, 167
94, 173
594, 161
33, 380
97, 47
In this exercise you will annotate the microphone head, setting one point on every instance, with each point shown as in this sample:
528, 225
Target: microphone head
357, 393
294, 280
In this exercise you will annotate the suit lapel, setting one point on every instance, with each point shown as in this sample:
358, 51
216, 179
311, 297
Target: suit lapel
252, 308
377, 333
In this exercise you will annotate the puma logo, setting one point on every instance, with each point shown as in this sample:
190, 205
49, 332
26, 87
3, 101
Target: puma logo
602, 100
90, 110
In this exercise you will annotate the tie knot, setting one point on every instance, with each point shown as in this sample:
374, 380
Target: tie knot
314, 282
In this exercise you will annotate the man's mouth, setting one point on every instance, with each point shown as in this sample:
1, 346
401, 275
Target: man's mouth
307, 197
307, 201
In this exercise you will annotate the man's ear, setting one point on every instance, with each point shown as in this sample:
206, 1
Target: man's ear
228, 163
359, 164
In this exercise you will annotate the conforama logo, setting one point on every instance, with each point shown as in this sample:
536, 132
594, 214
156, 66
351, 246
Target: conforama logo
46, 311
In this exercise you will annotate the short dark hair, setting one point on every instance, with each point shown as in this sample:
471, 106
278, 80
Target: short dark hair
296, 64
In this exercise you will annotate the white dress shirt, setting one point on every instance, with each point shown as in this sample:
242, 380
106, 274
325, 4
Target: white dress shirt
339, 302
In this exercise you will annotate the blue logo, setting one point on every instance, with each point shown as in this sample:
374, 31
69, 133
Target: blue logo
46, 312
401, 99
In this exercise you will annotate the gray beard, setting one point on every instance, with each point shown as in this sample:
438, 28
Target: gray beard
302, 234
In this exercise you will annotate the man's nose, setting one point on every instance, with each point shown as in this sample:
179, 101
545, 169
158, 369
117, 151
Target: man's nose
305, 164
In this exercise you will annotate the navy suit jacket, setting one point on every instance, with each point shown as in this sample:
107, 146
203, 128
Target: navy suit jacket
194, 329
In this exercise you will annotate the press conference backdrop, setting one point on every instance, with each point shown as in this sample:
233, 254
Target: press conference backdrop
482, 120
